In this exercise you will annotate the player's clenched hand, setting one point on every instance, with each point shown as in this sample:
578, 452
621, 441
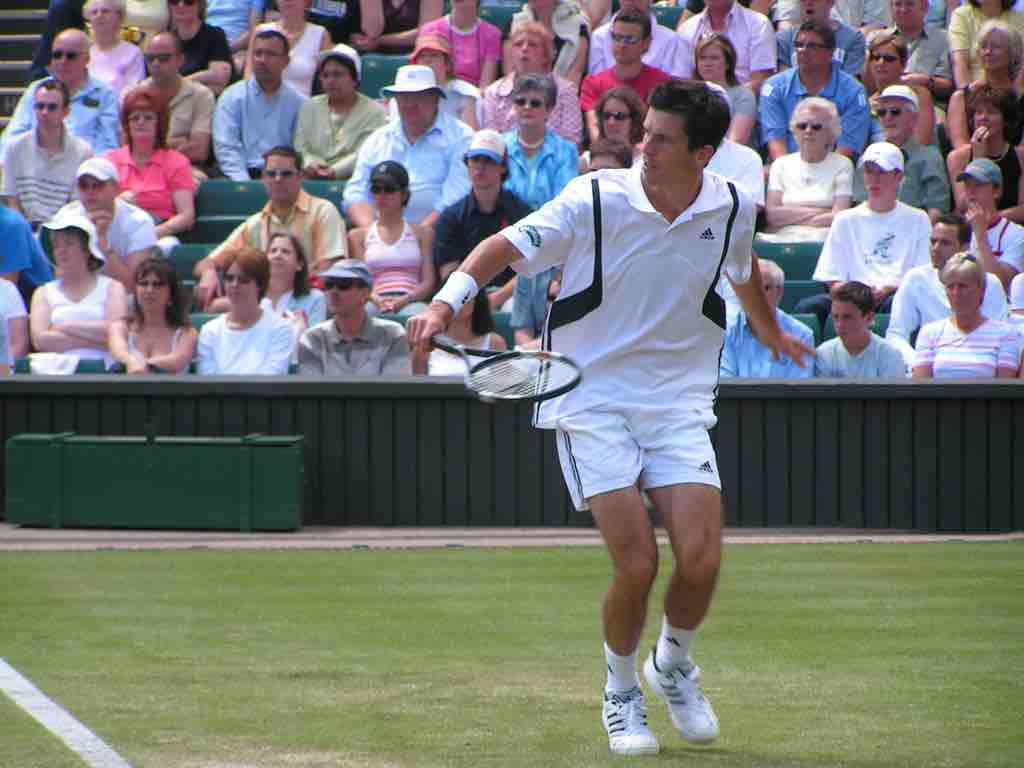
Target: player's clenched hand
423, 327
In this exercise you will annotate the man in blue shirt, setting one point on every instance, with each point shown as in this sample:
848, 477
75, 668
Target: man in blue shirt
256, 114
850, 44
22, 260
816, 74
744, 356
94, 112
429, 144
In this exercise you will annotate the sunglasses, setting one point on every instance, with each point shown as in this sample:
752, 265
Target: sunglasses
235, 278
888, 58
45, 107
181, 2
90, 186
805, 46
383, 189
272, 174
894, 111
69, 55
159, 58
619, 117
812, 126
522, 101
340, 283
626, 39
150, 284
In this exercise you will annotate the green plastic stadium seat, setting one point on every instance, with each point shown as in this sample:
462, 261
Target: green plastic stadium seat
223, 197
199, 319
22, 365
499, 15
668, 15
799, 289
811, 321
329, 190
797, 260
378, 71
214, 229
186, 256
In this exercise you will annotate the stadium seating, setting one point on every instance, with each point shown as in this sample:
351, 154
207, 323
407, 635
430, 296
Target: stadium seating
797, 260
186, 256
213, 229
498, 15
799, 289
199, 319
378, 71
668, 15
811, 321
21, 365
223, 197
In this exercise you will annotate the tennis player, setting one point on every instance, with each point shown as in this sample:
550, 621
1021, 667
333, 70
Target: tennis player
641, 251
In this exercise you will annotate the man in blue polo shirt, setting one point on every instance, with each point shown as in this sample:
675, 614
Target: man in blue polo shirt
816, 74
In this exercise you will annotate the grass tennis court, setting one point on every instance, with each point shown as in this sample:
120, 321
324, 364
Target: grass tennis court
853, 655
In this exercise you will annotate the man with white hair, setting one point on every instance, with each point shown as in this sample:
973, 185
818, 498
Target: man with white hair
875, 242
428, 143
925, 182
93, 106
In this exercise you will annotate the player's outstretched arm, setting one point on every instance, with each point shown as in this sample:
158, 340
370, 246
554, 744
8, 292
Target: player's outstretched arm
484, 262
762, 318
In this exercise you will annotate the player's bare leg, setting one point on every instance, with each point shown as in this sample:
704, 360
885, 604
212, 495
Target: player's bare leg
692, 514
629, 537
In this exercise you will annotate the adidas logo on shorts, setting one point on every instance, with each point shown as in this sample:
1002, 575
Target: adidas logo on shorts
706, 467
707, 234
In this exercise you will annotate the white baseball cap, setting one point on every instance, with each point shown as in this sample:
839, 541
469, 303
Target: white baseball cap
71, 216
904, 92
487, 143
1017, 292
886, 156
413, 78
99, 168
342, 51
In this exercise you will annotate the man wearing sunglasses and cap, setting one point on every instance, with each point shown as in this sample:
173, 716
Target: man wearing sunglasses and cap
350, 342
429, 144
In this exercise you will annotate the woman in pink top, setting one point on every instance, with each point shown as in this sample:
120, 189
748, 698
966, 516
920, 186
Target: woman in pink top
157, 179
475, 44
113, 61
397, 253
967, 345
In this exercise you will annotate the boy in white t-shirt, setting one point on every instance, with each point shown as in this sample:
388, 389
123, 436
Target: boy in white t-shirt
875, 242
1001, 251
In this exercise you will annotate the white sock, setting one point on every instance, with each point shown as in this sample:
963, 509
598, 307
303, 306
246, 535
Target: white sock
621, 671
673, 648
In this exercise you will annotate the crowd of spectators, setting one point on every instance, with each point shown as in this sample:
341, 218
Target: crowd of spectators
888, 133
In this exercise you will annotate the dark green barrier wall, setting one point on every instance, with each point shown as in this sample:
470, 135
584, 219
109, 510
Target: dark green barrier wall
931, 456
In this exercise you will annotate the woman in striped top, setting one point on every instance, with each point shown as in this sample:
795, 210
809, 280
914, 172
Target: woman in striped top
397, 252
966, 345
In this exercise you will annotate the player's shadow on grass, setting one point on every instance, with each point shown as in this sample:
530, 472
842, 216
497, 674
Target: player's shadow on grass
721, 756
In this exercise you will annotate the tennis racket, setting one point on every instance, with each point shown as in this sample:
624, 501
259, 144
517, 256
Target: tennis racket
526, 376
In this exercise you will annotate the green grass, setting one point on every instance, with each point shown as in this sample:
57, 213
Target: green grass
861, 656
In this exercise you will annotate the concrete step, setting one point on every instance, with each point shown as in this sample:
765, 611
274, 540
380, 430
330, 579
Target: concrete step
18, 46
9, 99
14, 73
21, 22
25, 5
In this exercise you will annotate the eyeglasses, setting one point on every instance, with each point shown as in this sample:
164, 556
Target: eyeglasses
181, 2
619, 117
150, 284
894, 111
42, 106
803, 45
812, 126
158, 58
272, 174
626, 39
90, 186
142, 117
340, 283
989, 45
383, 189
522, 101
888, 58
69, 55
236, 278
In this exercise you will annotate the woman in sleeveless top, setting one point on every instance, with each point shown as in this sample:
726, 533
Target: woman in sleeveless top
1000, 50
158, 336
73, 313
994, 117
289, 295
472, 327
398, 254
305, 41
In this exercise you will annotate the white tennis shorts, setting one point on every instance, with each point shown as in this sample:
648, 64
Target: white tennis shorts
603, 451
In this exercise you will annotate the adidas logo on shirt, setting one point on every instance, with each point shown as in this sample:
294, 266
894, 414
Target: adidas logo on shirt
706, 466
707, 234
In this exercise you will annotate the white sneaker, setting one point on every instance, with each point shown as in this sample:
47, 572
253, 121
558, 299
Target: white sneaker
625, 719
688, 707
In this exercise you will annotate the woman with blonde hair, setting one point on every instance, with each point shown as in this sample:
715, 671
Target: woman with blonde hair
1000, 52
966, 345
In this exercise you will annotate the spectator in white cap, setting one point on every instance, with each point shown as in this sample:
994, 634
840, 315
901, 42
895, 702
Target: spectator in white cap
460, 98
333, 126
486, 210
72, 314
738, 162
875, 242
125, 233
1001, 250
429, 145
351, 342
807, 188
887, 60
925, 181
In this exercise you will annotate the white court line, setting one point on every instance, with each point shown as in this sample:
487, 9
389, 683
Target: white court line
58, 721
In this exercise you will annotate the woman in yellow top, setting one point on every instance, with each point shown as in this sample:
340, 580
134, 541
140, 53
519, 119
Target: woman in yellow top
964, 26
332, 126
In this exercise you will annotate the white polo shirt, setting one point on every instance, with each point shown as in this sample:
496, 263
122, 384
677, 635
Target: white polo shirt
1006, 239
644, 321
741, 164
131, 230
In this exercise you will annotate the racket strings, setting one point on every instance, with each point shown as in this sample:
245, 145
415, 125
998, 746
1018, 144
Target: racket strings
520, 377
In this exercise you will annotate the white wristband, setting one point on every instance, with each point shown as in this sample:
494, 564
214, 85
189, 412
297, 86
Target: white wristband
459, 289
